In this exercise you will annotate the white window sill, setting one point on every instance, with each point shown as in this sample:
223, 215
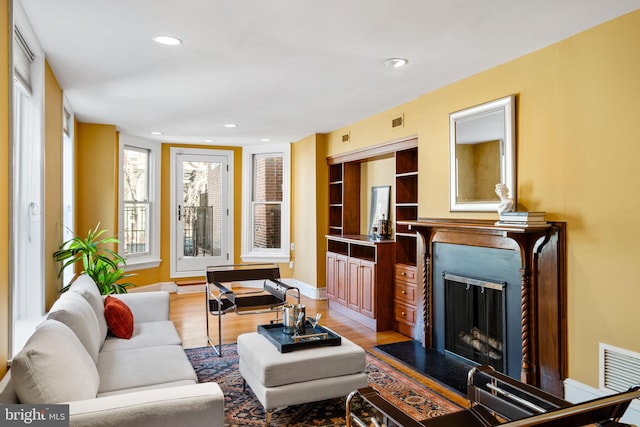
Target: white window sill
265, 258
142, 264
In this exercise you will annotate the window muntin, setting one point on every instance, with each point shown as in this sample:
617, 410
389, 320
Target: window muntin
267, 201
266, 183
139, 202
136, 201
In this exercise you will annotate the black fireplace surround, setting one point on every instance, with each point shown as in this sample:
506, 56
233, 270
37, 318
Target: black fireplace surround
492, 267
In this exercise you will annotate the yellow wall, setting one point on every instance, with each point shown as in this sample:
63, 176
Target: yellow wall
308, 160
577, 153
4, 186
52, 183
375, 172
96, 156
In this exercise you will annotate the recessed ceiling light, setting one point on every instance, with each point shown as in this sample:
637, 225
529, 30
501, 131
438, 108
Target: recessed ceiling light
230, 125
208, 140
396, 62
168, 40
155, 132
266, 140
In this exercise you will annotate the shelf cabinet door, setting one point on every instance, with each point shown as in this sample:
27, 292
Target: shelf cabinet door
353, 291
341, 282
332, 277
367, 288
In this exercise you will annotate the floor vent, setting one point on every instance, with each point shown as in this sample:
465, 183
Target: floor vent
619, 368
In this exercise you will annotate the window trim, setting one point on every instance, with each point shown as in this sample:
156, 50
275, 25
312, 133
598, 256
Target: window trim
248, 253
152, 258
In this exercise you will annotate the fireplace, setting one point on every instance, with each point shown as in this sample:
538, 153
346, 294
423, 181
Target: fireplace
516, 296
474, 320
477, 297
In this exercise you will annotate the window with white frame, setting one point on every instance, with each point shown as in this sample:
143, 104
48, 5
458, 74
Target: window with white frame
27, 186
139, 203
266, 183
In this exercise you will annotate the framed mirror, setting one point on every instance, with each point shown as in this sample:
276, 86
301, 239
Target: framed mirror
482, 154
380, 200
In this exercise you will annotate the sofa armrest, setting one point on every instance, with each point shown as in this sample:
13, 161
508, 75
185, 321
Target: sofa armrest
147, 306
194, 405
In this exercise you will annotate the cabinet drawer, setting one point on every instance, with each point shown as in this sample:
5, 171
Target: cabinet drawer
405, 292
405, 313
405, 272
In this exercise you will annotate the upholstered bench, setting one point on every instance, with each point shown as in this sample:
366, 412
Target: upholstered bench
301, 376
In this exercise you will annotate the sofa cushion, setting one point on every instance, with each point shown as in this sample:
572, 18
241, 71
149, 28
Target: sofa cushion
85, 286
147, 334
54, 367
75, 312
119, 317
141, 367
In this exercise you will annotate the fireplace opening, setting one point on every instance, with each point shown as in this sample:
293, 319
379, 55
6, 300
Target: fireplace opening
475, 320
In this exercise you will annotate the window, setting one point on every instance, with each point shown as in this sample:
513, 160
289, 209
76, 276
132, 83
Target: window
139, 216
68, 181
27, 256
266, 203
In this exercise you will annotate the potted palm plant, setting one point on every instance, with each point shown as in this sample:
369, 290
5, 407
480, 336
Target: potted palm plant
99, 262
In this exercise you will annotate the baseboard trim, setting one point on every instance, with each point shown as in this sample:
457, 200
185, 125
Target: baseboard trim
577, 392
307, 290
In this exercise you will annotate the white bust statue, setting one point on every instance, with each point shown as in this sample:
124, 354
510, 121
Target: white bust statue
506, 204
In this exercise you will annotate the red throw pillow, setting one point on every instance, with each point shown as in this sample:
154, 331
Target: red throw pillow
119, 317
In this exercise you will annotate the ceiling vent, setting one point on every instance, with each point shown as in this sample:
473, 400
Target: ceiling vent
346, 137
619, 368
398, 122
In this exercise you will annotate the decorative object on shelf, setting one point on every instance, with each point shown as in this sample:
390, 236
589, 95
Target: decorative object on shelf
103, 265
506, 203
384, 227
380, 200
482, 152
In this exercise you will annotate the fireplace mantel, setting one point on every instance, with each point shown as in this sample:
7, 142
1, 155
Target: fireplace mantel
543, 281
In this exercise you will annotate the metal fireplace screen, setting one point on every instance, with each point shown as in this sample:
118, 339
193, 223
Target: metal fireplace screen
475, 326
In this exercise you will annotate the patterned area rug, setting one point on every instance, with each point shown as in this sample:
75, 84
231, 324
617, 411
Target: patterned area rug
242, 408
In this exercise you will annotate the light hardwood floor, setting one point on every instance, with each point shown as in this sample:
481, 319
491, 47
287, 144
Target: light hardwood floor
188, 313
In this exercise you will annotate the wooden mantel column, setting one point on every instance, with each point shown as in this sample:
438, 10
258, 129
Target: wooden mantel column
543, 280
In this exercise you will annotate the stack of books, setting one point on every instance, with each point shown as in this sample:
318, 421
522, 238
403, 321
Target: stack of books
522, 219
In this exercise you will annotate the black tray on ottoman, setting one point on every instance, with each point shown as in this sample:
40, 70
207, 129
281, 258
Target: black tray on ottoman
312, 337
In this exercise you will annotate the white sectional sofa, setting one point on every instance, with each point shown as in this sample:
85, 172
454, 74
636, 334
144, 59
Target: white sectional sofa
146, 380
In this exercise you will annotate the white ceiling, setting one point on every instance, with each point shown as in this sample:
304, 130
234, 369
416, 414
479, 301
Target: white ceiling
282, 69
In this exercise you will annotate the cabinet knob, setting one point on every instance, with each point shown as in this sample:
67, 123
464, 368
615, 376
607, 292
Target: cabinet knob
403, 292
403, 273
403, 313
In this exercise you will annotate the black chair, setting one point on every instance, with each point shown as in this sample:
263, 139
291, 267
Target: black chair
496, 399
220, 299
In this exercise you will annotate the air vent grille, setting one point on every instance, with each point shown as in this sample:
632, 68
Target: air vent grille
345, 137
619, 368
397, 122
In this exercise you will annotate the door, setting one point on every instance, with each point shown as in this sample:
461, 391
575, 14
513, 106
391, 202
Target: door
341, 283
353, 287
201, 210
331, 276
367, 288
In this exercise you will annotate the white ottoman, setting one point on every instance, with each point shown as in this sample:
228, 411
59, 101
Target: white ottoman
309, 375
